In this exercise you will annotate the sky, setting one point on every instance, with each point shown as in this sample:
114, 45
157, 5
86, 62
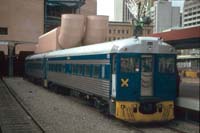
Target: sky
106, 7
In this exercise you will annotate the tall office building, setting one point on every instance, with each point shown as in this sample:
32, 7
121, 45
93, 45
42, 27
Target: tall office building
164, 16
121, 11
127, 15
191, 13
118, 10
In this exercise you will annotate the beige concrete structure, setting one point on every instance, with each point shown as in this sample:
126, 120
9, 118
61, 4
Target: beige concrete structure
96, 29
90, 8
24, 48
119, 30
23, 19
4, 49
72, 30
48, 41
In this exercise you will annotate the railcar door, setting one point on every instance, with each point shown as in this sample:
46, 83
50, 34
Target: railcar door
147, 75
128, 79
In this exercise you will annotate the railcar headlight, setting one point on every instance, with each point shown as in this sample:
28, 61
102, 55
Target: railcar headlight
112, 100
135, 108
171, 106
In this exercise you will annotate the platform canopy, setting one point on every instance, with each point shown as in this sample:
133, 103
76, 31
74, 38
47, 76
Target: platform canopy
185, 38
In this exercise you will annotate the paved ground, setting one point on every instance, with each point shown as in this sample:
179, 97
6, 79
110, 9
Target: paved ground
57, 113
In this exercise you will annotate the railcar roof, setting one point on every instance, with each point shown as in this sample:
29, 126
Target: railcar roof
36, 56
130, 45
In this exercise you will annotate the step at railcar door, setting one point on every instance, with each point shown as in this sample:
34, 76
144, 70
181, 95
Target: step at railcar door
147, 75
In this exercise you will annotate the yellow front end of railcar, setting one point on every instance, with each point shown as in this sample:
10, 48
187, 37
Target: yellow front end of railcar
129, 111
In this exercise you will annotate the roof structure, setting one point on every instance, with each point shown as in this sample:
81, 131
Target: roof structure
181, 38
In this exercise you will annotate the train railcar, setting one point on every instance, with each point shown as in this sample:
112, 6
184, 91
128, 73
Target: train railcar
36, 67
133, 79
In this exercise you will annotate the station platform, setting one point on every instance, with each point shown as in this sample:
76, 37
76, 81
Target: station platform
13, 118
188, 101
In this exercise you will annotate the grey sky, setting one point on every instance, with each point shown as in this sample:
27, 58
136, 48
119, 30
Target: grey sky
106, 7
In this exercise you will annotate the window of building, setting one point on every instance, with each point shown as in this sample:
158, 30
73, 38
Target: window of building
3, 31
110, 31
122, 31
114, 31
114, 38
148, 31
166, 65
194, 23
118, 31
127, 32
129, 65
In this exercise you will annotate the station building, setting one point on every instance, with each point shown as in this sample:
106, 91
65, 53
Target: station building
23, 21
121, 30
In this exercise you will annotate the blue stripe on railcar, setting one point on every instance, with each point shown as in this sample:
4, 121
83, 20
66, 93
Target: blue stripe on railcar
81, 57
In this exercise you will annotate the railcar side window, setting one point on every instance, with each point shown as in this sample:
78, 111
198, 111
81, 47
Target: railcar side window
146, 64
95, 71
80, 69
73, 69
103, 71
87, 70
129, 65
114, 64
166, 65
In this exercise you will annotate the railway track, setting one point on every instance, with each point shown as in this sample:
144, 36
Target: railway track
14, 117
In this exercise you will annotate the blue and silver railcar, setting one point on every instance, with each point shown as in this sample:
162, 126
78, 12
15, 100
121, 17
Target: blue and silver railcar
35, 66
135, 77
